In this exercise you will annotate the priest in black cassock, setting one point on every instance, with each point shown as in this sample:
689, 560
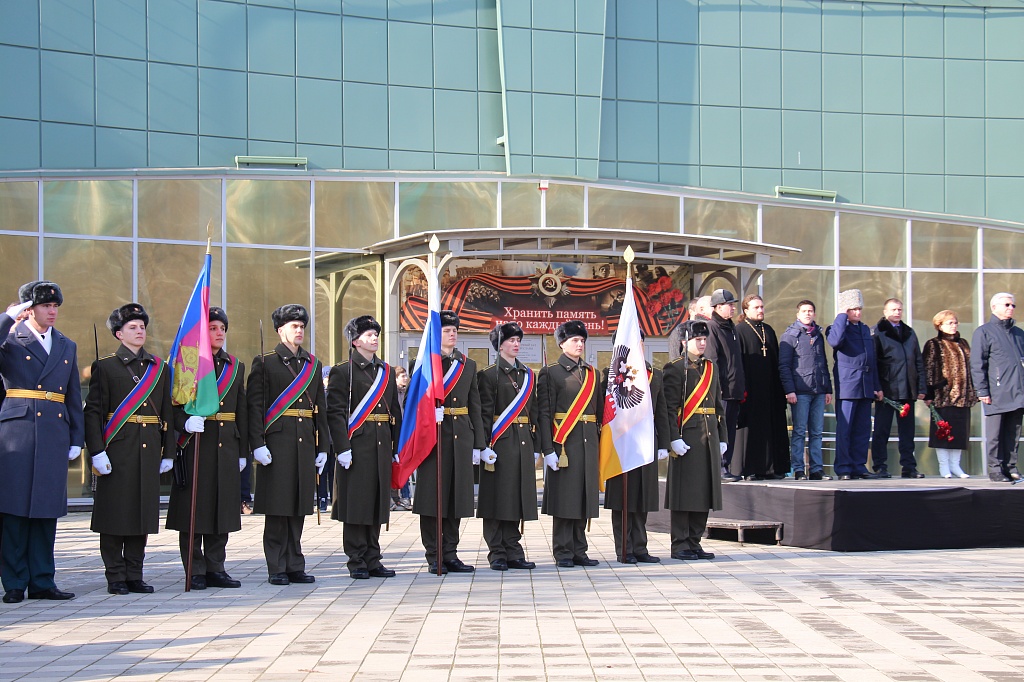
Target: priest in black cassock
763, 412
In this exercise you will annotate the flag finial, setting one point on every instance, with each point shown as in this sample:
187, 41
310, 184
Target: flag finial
627, 255
434, 244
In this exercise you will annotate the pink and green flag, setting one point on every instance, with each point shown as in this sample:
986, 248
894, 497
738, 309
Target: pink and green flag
193, 380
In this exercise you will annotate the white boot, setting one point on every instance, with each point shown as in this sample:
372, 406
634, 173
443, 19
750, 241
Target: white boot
943, 457
954, 463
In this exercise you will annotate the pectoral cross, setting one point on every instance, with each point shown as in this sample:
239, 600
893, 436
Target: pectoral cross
764, 350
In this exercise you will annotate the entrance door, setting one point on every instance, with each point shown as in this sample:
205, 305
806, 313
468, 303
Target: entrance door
477, 347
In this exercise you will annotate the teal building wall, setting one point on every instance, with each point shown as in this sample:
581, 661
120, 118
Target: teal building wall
891, 104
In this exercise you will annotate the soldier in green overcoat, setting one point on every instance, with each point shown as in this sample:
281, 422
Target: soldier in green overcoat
569, 408
130, 388
508, 484
223, 453
694, 484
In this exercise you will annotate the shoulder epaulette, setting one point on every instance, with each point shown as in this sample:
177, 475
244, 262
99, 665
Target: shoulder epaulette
554, 364
493, 364
266, 354
108, 356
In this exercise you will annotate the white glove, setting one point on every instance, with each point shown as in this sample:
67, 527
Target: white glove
551, 461
195, 424
241, 464
101, 463
73, 452
662, 454
262, 455
489, 456
166, 465
439, 414
345, 459
476, 456
722, 447
18, 309
679, 446
321, 460
536, 456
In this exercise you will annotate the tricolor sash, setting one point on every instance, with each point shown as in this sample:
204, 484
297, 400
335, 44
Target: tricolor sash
697, 395
514, 409
134, 399
452, 376
370, 400
224, 383
578, 407
298, 386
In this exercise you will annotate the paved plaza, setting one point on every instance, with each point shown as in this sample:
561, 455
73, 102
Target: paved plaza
755, 613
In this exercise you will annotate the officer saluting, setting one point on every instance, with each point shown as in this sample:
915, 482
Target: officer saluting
128, 416
40, 422
223, 453
288, 434
568, 428
508, 487
365, 421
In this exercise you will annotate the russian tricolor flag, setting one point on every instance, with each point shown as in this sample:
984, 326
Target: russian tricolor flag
193, 380
426, 392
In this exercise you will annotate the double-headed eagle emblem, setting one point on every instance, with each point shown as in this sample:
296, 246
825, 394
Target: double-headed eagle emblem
621, 379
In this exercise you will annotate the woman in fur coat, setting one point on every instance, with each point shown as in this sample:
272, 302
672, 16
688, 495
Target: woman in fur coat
947, 366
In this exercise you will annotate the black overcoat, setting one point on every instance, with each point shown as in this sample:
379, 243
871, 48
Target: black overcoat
763, 412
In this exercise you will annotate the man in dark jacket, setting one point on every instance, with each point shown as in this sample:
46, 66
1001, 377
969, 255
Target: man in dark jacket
901, 373
462, 439
129, 425
997, 367
723, 349
223, 454
763, 412
365, 420
288, 433
41, 430
856, 382
803, 369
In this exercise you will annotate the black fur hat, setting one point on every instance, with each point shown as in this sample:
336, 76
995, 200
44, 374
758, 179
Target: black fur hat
449, 319
290, 312
40, 292
503, 333
569, 329
358, 326
218, 315
125, 314
695, 328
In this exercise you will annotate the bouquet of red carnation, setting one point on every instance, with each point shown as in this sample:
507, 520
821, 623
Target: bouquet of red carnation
943, 431
902, 409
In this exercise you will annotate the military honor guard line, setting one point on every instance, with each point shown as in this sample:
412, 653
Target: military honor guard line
594, 429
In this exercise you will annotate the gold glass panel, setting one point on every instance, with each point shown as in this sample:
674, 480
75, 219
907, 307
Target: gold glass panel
564, 206
19, 206
260, 280
425, 206
21, 265
810, 231
167, 274
867, 241
939, 245
633, 210
783, 288
354, 215
89, 207
268, 212
999, 282
520, 204
720, 219
935, 291
480, 356
877, 286
1003, 249
179, 209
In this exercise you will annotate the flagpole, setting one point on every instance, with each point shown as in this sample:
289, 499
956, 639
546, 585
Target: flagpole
195, 462
436, 301
628, 257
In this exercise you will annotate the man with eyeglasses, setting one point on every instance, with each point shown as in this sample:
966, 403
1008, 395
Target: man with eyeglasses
997, 366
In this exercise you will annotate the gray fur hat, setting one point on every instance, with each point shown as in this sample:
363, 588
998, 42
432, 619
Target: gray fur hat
849, 299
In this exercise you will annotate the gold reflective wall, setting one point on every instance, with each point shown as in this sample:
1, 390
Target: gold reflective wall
273, 212
179, 209
999, 282
867, 241
1003, 249
784, 288
877, 286
813, 232
935, 291
96, 208
938, 245
564, 205
720, 219
19, 206
167, 275
425, 206
633, 210
20, 265
351, 215
520, 204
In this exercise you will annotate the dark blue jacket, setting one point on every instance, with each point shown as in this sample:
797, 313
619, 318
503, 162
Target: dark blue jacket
997, 365
36, 434
855, 370
900, 363
803, 365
